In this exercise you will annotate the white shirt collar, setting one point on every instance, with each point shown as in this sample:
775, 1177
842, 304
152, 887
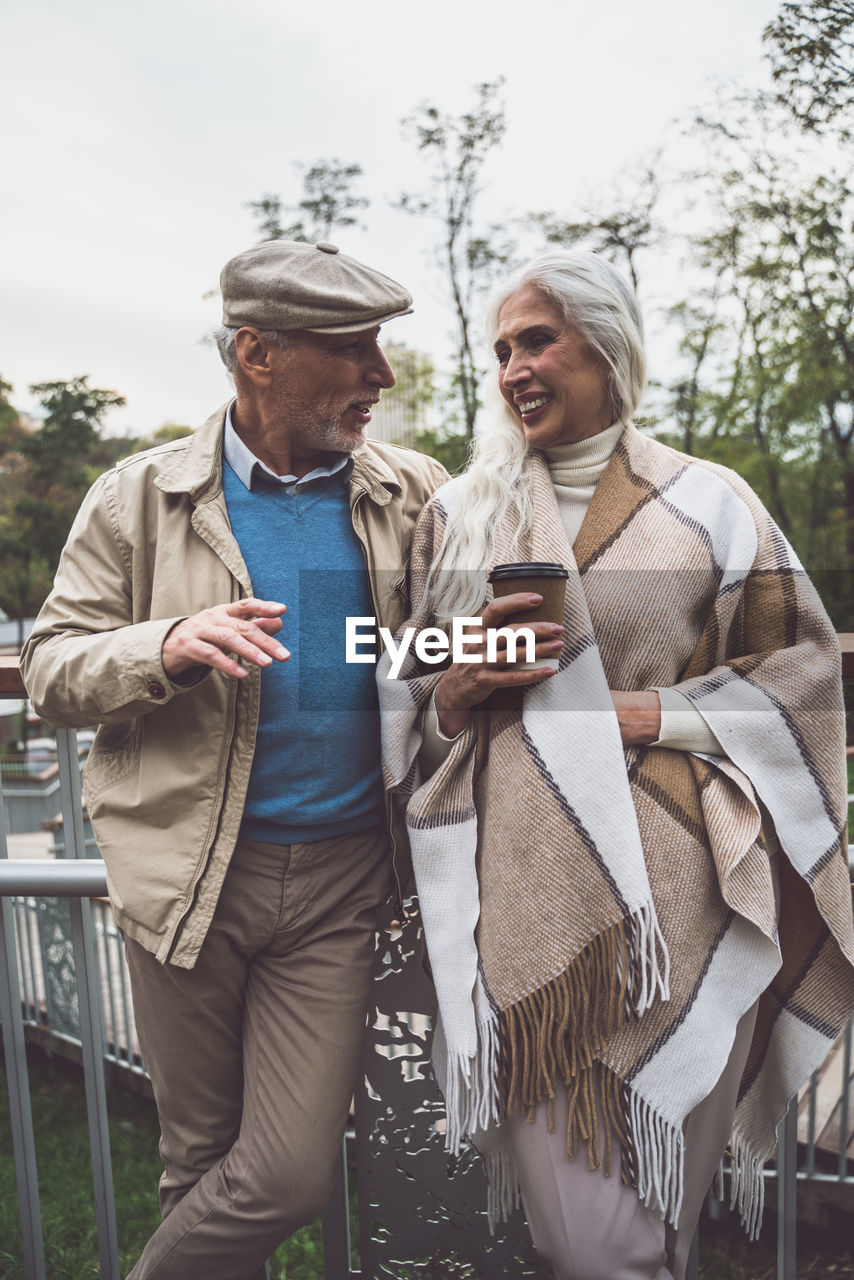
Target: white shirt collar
243, 462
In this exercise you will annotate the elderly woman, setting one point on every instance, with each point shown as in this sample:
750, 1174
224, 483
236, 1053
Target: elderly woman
632, 870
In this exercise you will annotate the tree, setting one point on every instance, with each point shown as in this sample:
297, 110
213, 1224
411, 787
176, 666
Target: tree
688, 402
125, 446
776, 390
811, 49
62, 452
456, 149
10, 424
328, 202
447, 446
620, 233
43, 484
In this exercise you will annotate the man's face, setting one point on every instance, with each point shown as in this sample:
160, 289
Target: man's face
324, 385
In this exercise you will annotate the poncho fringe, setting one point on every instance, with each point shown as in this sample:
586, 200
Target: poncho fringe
559, 1028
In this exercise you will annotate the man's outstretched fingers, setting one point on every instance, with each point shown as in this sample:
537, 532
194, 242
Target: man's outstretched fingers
242, 628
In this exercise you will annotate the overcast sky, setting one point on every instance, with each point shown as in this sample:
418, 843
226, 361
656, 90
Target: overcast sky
133, 136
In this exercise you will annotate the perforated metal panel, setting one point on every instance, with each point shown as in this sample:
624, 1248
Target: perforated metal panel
422, 1214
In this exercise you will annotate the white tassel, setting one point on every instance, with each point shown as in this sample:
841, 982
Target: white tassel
660, 1148
471, 1088
650, 961
748, 1186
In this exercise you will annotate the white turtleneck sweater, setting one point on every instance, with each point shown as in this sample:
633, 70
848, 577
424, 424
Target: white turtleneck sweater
575, 471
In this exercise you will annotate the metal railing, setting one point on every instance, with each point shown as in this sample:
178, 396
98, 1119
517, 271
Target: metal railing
83, 879
78, 880
104, 1022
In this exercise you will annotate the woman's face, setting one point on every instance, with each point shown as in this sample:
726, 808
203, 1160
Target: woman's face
552, 379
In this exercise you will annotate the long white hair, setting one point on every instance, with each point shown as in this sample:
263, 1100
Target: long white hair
496, 489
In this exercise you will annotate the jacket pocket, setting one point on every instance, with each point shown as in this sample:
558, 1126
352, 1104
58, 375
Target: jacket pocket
115, 753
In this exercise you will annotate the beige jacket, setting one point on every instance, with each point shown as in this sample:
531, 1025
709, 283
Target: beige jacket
166, 779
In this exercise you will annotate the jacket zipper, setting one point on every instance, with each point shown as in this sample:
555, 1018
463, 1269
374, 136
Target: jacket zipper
401, 914
228, 747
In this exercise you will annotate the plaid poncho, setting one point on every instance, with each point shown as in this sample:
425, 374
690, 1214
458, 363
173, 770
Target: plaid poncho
598, 919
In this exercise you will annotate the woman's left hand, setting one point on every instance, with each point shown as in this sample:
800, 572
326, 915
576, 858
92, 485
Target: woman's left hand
639, 716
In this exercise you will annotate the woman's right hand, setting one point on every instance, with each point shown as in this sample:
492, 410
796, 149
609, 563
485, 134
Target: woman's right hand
466, 684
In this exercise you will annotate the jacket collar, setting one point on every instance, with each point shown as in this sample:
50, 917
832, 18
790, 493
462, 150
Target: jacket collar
372, 475
197, 471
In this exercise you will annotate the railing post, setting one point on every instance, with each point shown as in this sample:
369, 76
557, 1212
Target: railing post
15, 1055
845, 1108
89, 1004
787, 1193
692, 1269
336, 1225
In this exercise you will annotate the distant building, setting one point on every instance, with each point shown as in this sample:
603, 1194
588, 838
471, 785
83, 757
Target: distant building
405, 410
393, 420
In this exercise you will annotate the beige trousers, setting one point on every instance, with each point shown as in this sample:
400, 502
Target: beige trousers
589, 1227
253, 1053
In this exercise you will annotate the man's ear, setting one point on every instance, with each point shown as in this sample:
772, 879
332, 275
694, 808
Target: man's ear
253, 356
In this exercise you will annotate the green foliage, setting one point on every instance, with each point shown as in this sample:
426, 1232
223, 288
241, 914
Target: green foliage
65, 1182
456, 149
447, 446
61, 451
45, 473
328, 202
11, 430
65, 1179
811, 49
766, 383
125, 446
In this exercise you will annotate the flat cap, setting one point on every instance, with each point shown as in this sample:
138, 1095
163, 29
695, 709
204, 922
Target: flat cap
286, 284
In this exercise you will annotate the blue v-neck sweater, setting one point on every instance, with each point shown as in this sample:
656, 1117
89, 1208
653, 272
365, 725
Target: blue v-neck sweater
316, 771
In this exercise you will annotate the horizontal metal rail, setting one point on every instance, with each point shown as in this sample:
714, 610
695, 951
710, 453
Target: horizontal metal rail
80, 879
87, 877
39, 878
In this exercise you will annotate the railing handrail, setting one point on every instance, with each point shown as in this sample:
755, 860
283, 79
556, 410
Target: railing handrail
11, 684
82, 878
53, 877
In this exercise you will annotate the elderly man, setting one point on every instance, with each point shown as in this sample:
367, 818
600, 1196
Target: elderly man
234, 784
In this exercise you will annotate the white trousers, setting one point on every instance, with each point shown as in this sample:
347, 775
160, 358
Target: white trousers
589, 1227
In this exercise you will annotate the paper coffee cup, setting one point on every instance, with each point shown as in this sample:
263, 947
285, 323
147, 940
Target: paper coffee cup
546, 578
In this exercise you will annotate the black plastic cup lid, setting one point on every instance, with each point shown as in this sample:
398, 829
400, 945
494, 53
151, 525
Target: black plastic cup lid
529, 569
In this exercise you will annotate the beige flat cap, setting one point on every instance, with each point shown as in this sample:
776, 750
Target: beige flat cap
285, 284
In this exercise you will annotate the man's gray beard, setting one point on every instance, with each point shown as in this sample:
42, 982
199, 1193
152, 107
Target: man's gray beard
328, 436
322, 433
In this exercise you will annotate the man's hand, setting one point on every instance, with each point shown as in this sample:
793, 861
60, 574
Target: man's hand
639, 716
244, 628
466, 684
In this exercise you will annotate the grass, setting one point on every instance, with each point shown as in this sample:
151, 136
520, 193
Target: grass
62, 1153
727, 1254
65, 1181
